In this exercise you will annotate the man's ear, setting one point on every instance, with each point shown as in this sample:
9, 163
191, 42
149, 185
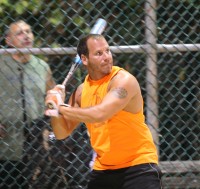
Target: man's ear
8, 41
84, 60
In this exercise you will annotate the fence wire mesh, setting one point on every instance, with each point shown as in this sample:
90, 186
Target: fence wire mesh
157, 41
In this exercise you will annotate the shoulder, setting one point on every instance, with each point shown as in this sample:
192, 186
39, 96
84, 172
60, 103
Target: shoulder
7, 63
5, 58
75, 98
124, 76
79, 91
39, 64
37, 60
80, 87
125, 81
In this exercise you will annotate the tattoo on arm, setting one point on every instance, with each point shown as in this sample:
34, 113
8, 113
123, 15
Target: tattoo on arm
120, 92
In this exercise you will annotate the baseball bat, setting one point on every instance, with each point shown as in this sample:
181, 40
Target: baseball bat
98, 28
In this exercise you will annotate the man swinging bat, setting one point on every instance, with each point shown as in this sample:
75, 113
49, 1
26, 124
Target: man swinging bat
110, 103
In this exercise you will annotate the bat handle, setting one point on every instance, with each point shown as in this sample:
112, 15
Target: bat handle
69, 75
77, 61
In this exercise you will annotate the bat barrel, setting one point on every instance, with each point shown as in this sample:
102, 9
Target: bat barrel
99, 26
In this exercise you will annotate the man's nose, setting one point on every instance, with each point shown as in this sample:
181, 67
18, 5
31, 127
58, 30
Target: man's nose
25, 33
105, 55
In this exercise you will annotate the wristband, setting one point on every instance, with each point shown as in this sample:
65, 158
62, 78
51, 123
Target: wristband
65, 105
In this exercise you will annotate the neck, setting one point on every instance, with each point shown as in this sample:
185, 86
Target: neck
22, 58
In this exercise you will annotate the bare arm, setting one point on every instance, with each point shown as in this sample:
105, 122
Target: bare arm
64, 127
123, 90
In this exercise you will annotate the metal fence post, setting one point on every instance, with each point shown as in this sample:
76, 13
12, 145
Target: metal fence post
151, 72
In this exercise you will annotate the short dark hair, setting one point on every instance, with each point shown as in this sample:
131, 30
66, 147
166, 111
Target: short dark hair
82, 47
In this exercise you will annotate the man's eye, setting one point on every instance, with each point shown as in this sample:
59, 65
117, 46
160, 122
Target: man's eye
99, 53
19, 33
28, 31
108, 50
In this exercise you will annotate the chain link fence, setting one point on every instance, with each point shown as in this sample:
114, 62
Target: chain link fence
157, 41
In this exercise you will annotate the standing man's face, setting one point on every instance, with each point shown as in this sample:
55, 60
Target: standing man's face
20, 36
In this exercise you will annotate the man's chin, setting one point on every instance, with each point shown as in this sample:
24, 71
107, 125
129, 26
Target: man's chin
108, 70
27, 45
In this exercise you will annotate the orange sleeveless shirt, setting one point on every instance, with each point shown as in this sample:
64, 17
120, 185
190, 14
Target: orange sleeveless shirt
122, 141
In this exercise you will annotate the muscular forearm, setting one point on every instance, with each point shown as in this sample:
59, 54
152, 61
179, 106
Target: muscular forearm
62, 128
86, 115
